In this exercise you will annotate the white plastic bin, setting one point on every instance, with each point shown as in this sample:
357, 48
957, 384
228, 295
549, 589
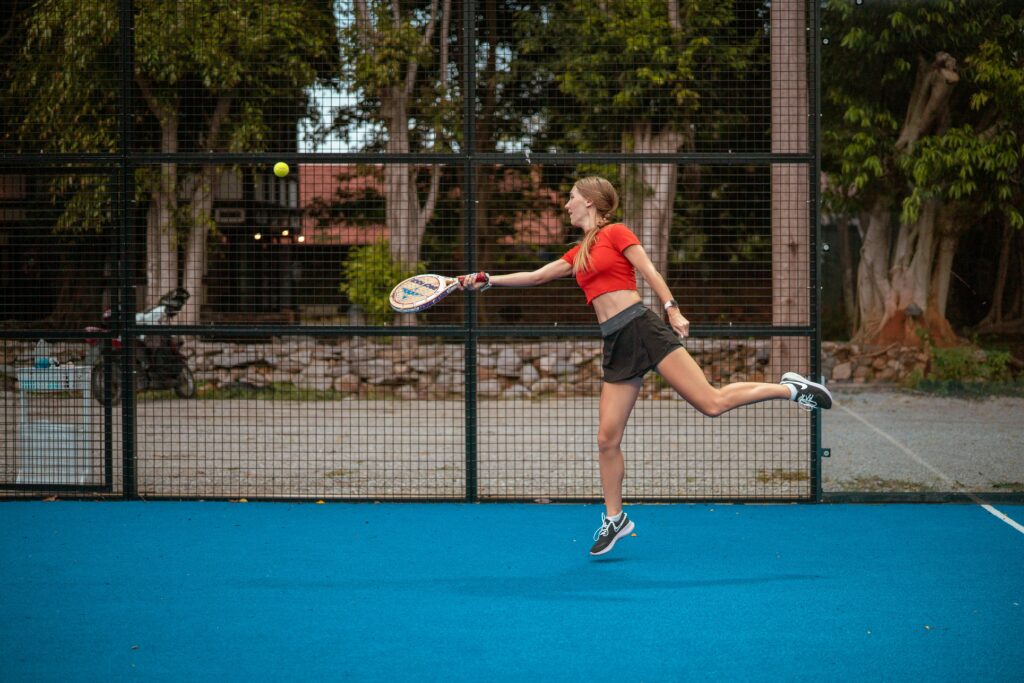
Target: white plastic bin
52, 450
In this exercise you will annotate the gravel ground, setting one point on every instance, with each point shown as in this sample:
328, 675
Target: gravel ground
902, 441
880, 441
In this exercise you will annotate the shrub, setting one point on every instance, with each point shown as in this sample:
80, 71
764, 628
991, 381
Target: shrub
369, 274
967, 371
965, 364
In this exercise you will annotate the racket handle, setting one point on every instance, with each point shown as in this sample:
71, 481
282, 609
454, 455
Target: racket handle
477, 277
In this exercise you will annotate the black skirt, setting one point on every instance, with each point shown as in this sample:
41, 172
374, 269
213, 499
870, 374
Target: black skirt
635, 341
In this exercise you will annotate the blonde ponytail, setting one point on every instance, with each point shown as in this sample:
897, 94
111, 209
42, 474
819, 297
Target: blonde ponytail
602, 194
582, 260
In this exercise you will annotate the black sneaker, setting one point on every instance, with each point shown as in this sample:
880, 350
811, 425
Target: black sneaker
610, 532
809, 395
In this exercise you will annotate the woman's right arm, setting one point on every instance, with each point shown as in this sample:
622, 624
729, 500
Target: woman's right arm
552, 271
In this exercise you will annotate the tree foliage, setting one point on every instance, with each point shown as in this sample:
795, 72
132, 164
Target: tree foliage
923, 120
67, 75
974, 156
207, 77
395, 46
647, 60
566, 75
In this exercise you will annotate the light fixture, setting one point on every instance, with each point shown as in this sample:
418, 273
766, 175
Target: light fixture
302, 238
258, 236
285, 232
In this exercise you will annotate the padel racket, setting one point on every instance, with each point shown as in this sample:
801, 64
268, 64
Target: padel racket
420, 292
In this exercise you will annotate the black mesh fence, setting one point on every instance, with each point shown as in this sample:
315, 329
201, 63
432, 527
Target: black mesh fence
204, 205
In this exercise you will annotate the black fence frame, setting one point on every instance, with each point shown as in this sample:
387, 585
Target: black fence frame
122, 164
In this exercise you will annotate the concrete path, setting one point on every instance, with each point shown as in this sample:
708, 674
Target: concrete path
903, 441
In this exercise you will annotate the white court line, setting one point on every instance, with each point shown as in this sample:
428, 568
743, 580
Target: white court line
1003, 516
941, 475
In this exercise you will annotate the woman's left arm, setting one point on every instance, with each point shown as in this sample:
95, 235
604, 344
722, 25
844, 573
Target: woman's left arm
638, 257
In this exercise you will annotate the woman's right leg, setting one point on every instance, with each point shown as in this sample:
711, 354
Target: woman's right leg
683, 374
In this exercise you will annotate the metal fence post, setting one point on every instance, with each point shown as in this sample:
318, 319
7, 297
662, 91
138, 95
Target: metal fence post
469, 241
126, 292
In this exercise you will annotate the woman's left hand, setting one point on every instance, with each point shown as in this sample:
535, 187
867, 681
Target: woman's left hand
678, 322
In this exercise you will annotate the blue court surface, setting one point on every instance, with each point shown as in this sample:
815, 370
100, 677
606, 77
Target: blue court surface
274, 591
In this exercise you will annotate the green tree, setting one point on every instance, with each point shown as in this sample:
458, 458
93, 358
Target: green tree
638, 74
212, 77
369, 274
923, 117
396, 63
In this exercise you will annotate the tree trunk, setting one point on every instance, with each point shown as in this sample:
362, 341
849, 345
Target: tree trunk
1015, 307
1006, 315
873, 271
399, 190
995, 311
948, 230
161, 220
849, 283
648, 196
199, 186
406, 218
903, 296
914, 287
929, 100
909, 276
200, 219
161, 249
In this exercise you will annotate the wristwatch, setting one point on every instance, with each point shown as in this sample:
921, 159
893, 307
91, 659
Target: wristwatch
671, 303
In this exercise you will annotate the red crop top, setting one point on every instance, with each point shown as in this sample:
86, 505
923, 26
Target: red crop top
609, 270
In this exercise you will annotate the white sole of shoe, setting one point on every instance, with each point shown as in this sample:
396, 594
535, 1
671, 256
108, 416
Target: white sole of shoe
622, 532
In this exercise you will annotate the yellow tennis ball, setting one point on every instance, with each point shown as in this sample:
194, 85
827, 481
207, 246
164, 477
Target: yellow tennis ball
280, 169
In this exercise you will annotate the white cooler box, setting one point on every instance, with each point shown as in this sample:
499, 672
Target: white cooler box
50, 451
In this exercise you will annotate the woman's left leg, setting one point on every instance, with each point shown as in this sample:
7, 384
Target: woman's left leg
683, 374
617, 401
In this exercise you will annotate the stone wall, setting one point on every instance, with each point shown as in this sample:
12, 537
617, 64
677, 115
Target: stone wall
860, 364
410, 368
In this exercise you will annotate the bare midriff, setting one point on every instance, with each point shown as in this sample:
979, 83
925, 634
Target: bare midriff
610, 303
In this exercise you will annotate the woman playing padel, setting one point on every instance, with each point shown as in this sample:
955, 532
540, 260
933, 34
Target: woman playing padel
636, 340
